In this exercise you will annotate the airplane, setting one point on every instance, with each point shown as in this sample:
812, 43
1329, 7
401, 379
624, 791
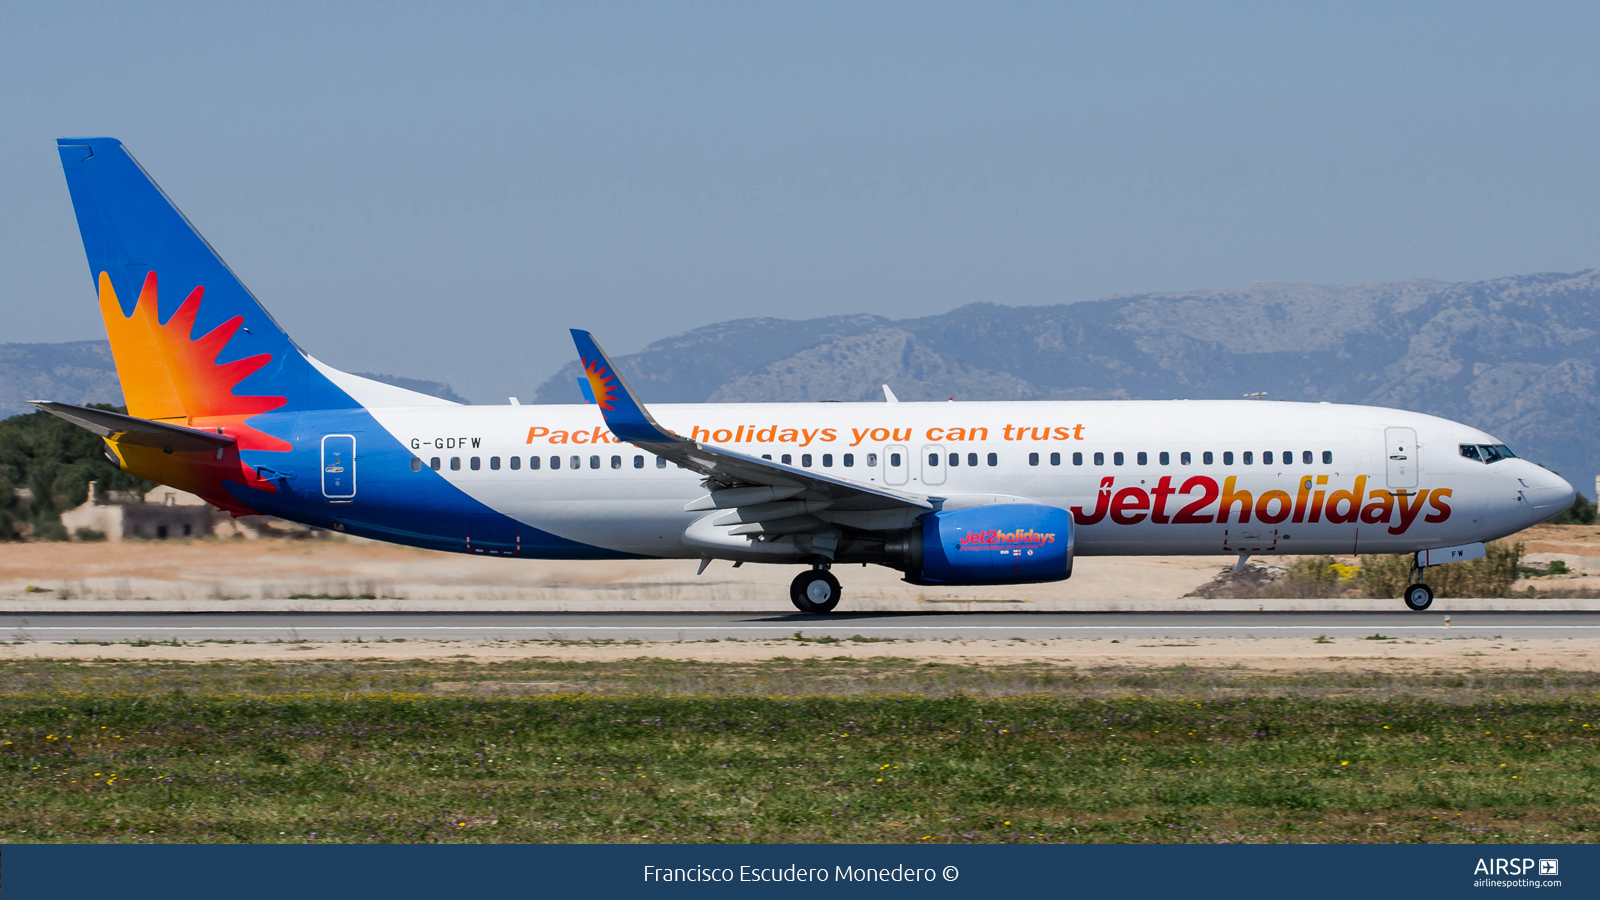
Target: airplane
222, 403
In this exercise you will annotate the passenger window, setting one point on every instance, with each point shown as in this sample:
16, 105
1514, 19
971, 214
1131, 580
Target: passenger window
533, 462
787, 459
827, 460
1144, 458
1266, 458
1033, 459
894, 460
1184, 458
849, 460
872, 460
1055, 459
594, 462
1327, 457
1099, 458
1077, 459
516, 463
416, 464
1117, 458
1227, 457
1305, 457
1165, 458
955, 459
555, 462
661, 462
638, 462
616, 462
575, 462
766, 456
972, 459
1249, 458
1288, 457
805, 460
434, 464
494, 463
476, 464
994, 459
933, 460
455, 463
1207, 458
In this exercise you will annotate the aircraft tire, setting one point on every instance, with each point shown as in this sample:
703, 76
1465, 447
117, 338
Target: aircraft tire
1419, 597
815, 591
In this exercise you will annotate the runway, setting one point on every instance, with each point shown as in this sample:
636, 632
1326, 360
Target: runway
678, 626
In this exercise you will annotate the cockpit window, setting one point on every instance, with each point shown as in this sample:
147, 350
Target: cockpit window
1487, 453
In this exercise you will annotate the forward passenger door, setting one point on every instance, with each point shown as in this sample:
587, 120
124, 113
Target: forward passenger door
1401, 456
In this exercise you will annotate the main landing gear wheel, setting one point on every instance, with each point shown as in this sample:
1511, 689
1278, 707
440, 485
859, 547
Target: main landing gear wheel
815, 591
1419, 597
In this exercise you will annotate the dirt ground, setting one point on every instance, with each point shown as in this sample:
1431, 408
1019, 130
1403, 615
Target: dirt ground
349, 568
1422, 656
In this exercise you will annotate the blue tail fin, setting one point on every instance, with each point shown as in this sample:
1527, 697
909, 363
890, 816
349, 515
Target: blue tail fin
189, 339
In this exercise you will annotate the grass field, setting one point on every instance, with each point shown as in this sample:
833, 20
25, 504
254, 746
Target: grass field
788, 751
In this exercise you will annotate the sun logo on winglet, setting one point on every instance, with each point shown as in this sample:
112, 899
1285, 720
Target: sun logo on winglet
602, 383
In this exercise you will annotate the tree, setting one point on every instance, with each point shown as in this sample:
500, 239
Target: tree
55, 461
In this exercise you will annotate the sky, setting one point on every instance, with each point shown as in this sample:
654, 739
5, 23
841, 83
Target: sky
440, 191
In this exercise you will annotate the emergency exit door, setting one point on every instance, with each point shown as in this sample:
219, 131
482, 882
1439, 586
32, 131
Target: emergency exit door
933, 464
339, 466
1401, 457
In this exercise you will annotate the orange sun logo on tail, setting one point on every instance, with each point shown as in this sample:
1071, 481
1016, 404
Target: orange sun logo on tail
170, 377
602, 382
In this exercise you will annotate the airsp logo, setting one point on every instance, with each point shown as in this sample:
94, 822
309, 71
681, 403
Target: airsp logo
1549, 867
1502, 866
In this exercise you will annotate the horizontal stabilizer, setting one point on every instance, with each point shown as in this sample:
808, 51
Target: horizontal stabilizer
138, 432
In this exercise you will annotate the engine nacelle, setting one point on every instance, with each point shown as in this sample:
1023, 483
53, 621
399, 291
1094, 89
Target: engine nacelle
1009, 543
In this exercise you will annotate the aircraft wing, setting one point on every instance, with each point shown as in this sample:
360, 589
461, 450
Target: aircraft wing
736, 480
139, 432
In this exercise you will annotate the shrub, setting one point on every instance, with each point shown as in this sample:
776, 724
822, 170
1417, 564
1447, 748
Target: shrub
1311, 576
89, 534
1581, 512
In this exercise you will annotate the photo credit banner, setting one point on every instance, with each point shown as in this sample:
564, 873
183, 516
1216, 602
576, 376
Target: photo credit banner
315, 872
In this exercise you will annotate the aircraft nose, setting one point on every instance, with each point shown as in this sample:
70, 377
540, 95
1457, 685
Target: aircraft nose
1548, 494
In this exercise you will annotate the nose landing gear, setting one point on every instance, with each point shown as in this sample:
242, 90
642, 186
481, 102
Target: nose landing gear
1418, 596
815, 591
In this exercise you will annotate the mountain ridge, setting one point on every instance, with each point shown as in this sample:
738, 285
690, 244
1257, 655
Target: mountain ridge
1514, 355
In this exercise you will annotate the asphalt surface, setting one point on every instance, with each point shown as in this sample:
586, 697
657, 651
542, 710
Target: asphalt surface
676, 626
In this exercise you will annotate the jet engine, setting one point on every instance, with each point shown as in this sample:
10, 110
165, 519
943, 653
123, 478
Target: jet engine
1010, 543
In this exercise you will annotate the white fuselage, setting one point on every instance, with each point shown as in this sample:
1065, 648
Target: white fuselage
1141, 477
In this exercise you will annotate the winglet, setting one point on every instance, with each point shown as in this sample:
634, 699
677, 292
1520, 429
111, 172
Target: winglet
624, 414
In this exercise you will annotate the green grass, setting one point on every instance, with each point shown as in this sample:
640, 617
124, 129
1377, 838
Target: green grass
651, 751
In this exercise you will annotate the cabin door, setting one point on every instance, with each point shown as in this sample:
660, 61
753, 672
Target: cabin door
339, 466
1401, 456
